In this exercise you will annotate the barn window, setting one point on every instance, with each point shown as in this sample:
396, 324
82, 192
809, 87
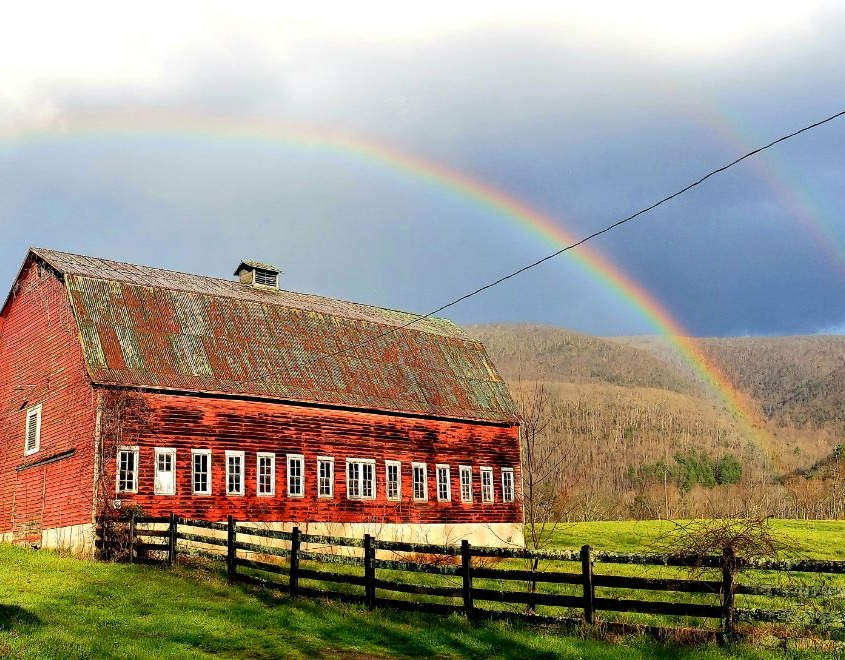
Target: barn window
127, 470
466, 483
507, 485
444, 487
234, 473
33, 430
420, 481
360, 478
486, 484
201, 471
266, 474
165, 472
325, 476
393, 469
296, 477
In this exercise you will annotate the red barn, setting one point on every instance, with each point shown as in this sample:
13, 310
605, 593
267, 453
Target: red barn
127, 386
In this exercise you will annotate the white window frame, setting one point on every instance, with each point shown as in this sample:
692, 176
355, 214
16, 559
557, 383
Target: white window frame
34, 411
444, 494
321, 461
398, 466
241, 456
300, 460
194, 454
487, 492
424, 468
164, 451
133, 450
508, 494
264, 271
360, 462
466, 484
265, 455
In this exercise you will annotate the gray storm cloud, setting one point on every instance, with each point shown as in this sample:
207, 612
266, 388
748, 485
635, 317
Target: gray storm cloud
582, 128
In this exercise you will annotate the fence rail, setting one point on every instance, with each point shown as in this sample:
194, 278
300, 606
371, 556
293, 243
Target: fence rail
350, 570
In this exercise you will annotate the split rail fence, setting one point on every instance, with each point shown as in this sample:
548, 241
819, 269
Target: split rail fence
802, 598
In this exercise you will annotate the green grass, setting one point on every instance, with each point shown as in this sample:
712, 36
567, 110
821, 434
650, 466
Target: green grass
812, 539
822, 540
615, 536
60, 607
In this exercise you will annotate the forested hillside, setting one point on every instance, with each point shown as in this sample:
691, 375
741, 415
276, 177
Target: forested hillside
532, 352
636, 434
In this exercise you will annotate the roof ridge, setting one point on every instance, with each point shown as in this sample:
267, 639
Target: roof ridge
127, 263
451, 328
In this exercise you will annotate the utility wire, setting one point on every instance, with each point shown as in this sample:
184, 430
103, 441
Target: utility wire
589, 237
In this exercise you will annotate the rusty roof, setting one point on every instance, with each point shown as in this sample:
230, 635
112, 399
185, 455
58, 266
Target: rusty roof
149, 327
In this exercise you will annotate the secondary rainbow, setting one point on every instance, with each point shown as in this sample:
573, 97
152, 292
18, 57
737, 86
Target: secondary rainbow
436, 175
770, 168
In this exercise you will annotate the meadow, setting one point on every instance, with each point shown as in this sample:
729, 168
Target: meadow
53, 606
807, 539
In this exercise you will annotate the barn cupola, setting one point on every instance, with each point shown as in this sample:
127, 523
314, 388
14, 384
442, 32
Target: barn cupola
254, 273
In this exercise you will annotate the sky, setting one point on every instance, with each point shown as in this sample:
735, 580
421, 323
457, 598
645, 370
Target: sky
404, 157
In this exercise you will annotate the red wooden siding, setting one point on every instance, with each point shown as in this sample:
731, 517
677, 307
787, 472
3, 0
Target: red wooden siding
41, 362
190, 422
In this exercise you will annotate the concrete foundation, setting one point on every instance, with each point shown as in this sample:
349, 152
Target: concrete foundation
499, 535
78, 539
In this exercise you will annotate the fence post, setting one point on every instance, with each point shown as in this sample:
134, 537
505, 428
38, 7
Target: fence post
231, 550
369, 572
587, 576
171, 540
131, 536
466, 573
293, 575
728, 570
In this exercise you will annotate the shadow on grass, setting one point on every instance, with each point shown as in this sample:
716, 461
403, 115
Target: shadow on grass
12, 616
337, 628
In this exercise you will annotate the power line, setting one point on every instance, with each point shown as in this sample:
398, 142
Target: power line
589, 237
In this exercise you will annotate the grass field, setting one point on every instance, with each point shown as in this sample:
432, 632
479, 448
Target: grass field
60, 607
810, 539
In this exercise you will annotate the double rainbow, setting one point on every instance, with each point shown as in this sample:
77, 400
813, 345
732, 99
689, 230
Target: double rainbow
428, 173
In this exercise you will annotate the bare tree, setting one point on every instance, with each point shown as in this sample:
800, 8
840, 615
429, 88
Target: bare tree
545, 488
546, 480
740, 541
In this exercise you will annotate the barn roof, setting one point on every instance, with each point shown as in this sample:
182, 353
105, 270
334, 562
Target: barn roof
149, 327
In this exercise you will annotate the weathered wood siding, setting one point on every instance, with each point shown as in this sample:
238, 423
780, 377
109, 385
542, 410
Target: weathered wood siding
191, 422
41, 363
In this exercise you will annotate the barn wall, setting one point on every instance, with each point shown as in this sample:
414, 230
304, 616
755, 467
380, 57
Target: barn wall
190, 422
41, 363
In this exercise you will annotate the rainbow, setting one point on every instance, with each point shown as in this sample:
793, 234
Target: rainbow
456, 183
769, 168
795, 200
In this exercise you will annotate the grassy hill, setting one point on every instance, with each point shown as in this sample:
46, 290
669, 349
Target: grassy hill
65, 608
635, 420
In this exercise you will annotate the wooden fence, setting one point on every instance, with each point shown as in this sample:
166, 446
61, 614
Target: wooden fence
479, 582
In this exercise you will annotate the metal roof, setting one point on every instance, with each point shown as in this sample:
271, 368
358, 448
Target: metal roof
148, 327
